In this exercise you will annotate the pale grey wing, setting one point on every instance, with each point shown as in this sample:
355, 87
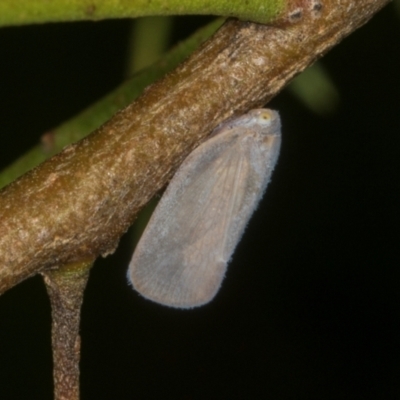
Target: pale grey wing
182, 256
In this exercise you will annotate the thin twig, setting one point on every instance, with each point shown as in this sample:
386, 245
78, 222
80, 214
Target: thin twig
65, 288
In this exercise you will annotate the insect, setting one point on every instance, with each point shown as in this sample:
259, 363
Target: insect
182, 256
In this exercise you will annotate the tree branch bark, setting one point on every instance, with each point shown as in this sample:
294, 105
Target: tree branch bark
77, 204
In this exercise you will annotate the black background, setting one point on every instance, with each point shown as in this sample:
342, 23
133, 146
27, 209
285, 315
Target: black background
310, 305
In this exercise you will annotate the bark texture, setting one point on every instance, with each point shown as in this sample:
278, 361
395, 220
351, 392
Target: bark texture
65, 288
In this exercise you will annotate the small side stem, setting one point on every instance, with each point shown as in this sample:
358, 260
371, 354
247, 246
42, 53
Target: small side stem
65, 288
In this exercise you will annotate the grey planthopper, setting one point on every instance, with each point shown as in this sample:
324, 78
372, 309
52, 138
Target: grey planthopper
182, 256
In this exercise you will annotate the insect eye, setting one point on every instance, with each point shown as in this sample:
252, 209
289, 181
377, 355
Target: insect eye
266, 116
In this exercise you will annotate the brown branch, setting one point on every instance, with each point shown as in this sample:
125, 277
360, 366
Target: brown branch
76, 205
65, 288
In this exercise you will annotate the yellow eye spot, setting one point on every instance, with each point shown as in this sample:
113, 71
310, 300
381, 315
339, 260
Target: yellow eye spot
266, 116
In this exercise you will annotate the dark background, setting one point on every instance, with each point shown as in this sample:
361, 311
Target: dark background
310, 306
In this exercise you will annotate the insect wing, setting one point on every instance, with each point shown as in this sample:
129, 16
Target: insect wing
182, 256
